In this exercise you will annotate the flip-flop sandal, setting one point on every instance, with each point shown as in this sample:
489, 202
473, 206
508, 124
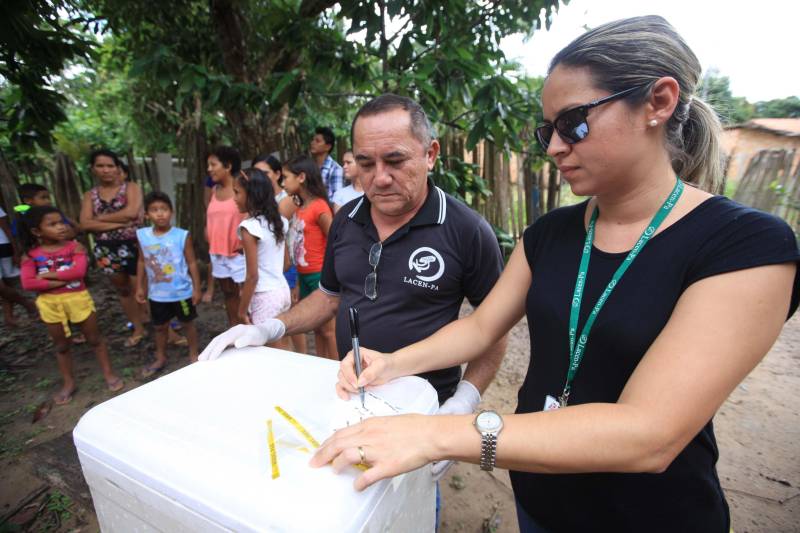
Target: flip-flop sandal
64, 399
180, 341
134, 340
80, 338
152, 370
116, 385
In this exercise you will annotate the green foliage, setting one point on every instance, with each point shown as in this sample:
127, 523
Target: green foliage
715, 89
44, 384
779, 108
261, 74
36, 42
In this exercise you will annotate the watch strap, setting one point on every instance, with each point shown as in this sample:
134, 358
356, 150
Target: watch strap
488, 451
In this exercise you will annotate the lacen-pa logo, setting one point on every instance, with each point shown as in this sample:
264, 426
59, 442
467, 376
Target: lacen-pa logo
426, 266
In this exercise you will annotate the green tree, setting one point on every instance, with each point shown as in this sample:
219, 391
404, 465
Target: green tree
715, 89
37, 39
779, 108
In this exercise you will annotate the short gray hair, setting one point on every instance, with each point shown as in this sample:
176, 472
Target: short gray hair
421, 127
635, 52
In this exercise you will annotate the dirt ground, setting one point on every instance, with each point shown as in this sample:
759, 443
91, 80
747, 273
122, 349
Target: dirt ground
43, 489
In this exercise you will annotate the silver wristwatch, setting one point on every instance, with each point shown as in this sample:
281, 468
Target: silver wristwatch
489, 424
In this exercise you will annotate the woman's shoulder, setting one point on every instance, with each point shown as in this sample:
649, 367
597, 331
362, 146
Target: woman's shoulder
719, 217
729, 236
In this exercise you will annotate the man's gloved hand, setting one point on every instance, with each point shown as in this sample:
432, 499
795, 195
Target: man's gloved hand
463, 402
241, 336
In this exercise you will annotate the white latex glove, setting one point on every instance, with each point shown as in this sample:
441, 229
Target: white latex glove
242, 335
463, 402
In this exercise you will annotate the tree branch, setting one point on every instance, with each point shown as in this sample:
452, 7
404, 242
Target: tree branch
312, 8
479, 20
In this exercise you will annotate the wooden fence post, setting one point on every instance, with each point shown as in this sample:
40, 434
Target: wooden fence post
67, 186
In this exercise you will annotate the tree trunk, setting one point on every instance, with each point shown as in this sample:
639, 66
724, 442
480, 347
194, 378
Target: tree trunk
552, 187
8, 185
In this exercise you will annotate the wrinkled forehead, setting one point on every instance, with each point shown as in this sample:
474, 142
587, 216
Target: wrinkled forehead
384, 134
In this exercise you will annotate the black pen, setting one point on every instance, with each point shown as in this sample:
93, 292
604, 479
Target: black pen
356, 347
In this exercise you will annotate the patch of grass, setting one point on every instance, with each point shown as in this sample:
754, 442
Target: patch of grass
10, 446
58, 510
8, 381
128, 372
44, 383
7, 418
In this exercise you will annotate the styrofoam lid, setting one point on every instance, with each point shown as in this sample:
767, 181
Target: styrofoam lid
198, 435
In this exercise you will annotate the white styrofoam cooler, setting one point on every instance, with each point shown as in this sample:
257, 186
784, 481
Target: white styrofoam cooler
188, 452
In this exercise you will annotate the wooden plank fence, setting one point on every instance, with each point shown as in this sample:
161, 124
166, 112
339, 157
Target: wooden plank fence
772, 185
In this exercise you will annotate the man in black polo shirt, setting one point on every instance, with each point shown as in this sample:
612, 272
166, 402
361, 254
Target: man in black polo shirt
405, 254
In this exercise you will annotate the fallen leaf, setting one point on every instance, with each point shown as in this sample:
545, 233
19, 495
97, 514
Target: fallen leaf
42, 411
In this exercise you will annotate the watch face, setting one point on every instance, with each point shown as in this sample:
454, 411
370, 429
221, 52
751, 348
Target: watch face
489, 421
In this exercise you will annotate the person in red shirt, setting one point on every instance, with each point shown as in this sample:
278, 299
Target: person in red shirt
308, 236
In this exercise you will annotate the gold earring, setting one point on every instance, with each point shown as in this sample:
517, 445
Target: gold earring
653, 123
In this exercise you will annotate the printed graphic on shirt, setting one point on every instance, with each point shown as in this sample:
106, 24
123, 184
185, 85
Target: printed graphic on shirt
159, 262
425, 266
297, 245
55, 264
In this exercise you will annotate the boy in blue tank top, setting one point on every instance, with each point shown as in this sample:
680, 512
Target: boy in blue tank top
172, 284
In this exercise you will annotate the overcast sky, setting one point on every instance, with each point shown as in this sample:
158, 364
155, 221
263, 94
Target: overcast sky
755, 44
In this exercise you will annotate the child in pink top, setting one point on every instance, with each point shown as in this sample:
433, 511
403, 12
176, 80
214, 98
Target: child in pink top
55, 267
222, 220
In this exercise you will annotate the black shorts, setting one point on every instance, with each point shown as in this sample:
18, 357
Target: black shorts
163, 312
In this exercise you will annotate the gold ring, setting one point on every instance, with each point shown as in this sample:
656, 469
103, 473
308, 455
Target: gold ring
363, 455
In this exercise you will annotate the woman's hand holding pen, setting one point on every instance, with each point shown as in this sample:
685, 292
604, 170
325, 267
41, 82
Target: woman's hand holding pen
377, 369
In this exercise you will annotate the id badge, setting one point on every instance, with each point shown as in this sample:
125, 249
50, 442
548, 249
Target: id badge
551, 403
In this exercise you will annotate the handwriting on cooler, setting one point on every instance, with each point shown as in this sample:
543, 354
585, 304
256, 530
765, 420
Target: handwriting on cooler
351, 412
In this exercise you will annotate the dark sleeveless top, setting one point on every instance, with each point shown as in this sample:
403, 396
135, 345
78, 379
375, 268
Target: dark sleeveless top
716, 237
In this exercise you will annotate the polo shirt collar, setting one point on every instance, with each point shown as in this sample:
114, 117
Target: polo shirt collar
433, 211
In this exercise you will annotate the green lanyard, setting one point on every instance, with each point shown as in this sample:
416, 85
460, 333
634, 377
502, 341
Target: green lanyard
576, 350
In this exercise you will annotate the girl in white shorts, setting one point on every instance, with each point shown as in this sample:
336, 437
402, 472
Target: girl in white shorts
265, 292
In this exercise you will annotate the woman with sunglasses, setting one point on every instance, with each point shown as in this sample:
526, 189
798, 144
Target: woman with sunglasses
647, 304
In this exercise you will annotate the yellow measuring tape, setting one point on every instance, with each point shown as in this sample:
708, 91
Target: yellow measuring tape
273, 453
296, 425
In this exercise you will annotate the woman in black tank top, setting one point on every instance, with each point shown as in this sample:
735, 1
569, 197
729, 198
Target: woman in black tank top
647, 305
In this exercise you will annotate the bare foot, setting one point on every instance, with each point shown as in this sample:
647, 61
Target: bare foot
154, 368
207, 297
114, 383
64, 396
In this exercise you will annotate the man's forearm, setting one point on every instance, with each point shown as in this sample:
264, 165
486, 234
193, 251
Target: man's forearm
481, 371
310, 313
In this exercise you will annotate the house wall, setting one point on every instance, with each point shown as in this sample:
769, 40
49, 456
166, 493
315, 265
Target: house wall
741, 144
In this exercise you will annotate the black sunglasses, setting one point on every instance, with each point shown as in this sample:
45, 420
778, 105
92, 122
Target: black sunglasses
571, 125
